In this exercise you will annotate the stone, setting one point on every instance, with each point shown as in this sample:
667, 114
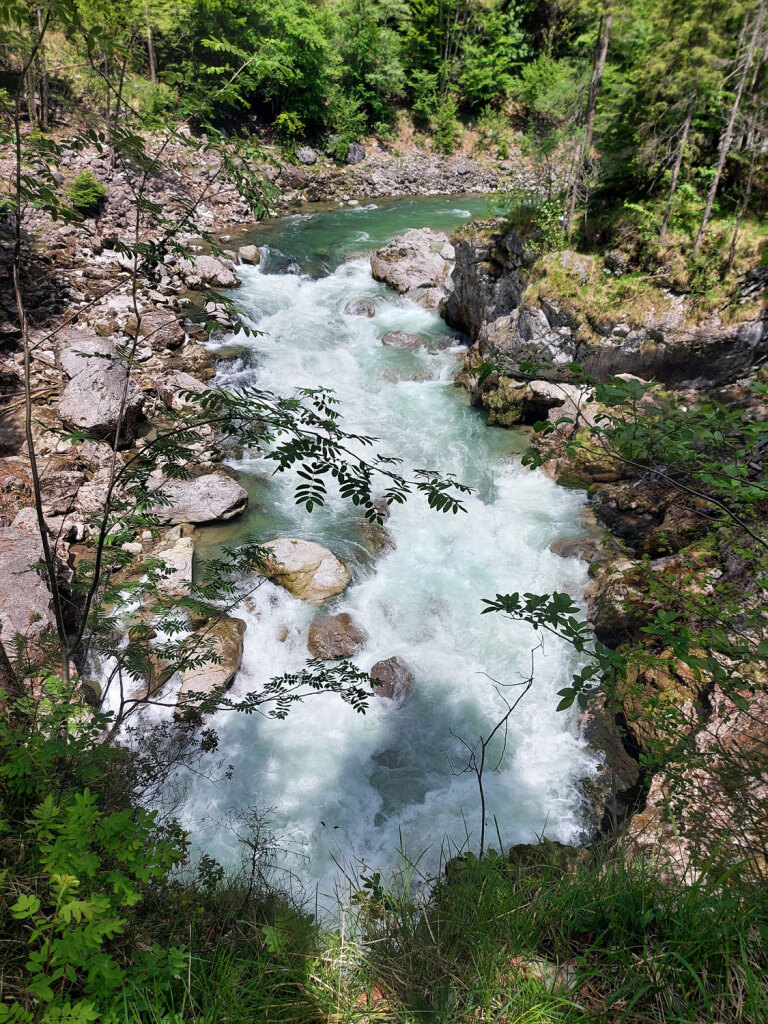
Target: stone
207, 272
335, 636
306, 155
25, 600
391, 678
249, 254
178, 556
92, 399
360, 307
403, 340
355, 153
172, 384
306, 570
225, 637
161, 329
204, 499
410, 262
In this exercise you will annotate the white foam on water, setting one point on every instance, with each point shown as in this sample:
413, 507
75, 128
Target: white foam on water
350, 788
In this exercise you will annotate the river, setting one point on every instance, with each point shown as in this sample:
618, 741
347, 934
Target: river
346, 790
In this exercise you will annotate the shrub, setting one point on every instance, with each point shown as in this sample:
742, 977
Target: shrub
447, 130
86, 192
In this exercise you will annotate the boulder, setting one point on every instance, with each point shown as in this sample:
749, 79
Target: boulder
306, 155
171, 386
25, 600
207, 272
249, 254
391, 678
360, 307
204, 499
410, 261
92, 397
306, 570
400, 339
178, 556
225, 637
161, 329
335, 636
355, 153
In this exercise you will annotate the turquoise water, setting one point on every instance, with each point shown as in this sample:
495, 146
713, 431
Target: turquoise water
349, 790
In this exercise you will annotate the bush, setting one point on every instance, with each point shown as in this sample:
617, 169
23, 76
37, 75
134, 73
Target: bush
86, 192
347, 122
447, 130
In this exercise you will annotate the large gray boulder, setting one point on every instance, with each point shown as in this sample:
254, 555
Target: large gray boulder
207, 272
25, 600
306, 570
412, 261
335, 636
355, 153
204, 499
306, 155
161, 329
224, 639
96, 384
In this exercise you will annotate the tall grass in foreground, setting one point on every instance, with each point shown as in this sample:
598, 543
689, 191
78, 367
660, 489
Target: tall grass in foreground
550, 936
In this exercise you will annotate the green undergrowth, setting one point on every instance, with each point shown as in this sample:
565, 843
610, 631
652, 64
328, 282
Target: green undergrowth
106, 915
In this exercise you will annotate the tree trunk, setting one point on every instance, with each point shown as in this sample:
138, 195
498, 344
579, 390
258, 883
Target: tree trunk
151, 53
594, 93
727, 137
43, 69
678, 164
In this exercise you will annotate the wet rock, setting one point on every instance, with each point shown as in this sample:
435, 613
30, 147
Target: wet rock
249, 254
25, 600
224, 638
177, 556
360, 307
403, 340
306, 570
306, 155
204, 499
391, 678
335, 636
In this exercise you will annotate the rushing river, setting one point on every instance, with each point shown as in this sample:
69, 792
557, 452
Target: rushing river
348, 789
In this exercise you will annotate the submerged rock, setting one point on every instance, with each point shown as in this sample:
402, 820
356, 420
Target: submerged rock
335, 636
306, 570
401, 339
360, 307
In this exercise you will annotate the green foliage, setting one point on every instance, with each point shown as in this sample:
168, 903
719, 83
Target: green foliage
347, 121
86, 192
446, 128
493, 131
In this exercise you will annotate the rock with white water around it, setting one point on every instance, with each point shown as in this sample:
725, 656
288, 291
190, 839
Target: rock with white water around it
335, 636
172, 385
204, 499
224, 640
249, 254
207, 272
412, 261
391, 678
25, 600
177, 556
306, 570
401, 339
99, 390
360, 307
306, 155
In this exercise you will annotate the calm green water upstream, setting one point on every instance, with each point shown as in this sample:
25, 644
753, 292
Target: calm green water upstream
348, 789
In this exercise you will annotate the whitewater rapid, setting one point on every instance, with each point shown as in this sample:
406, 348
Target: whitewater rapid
348, 791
